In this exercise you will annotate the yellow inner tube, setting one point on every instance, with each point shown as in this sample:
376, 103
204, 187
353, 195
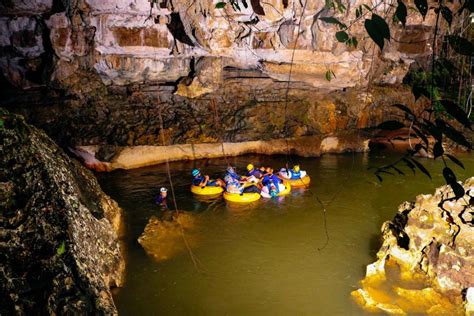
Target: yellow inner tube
299, 183
287, 189
206, 190
244, 198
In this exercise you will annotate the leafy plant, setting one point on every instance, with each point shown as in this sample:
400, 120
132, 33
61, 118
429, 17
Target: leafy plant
61, 249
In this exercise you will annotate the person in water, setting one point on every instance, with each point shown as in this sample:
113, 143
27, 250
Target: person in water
272, 182
161, 199
294, 173
253, 172
203, 181
236, 184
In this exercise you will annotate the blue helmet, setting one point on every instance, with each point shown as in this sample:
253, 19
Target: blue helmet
195, 172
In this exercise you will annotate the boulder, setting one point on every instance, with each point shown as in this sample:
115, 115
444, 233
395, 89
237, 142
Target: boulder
426, 262
59, 248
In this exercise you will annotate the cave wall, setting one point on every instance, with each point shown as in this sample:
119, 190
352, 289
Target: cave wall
98, 72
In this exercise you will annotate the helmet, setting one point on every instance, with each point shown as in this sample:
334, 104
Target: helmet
163, 189
296, 168
195, 172
249, 167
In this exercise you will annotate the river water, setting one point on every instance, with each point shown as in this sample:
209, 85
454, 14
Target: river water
274, 257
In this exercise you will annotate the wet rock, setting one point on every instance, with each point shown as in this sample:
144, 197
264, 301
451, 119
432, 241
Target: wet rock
59, 251
163, 238
426, 262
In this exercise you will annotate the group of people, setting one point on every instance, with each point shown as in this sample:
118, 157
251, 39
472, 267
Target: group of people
255, 180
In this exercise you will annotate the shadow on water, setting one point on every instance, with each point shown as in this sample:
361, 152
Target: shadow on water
263, 258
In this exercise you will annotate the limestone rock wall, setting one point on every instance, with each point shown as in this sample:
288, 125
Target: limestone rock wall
98, 72
125, 44
59, 250
425, 265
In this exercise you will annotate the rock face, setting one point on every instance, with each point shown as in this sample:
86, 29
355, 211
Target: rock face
94, 72
136, 41
59, 251
426, 262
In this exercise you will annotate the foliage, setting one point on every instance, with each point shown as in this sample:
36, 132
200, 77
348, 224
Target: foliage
61, 249
329, 75
437, 85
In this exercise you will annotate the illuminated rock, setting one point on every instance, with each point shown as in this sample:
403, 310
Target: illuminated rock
426, 262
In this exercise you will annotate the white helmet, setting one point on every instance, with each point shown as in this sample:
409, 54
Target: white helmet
163, 189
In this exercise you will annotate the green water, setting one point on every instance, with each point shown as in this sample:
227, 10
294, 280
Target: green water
270, 258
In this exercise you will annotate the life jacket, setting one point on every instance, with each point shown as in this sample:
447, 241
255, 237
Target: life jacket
254, 172
232, 182
271, 181
266, 179
160, 200
295, 175
275, 179
198, 180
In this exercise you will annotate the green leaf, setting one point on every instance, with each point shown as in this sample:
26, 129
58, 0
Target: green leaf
421, 167
328, 4
379, 177
359, 12
342, 36
377, 29
401, 12
421, 135
352, 42
461, 45
332, 20
451, 133
438, 150
422, 6
220, 5
367, 7
456, 112
340, 6
256, 6
418, 90
451, 181
455, 160
382, 26
404, 108
2, 123
373, 33
398, 171
390, 125
328, 75
61, 249
432, 129
447, 14
409, 164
